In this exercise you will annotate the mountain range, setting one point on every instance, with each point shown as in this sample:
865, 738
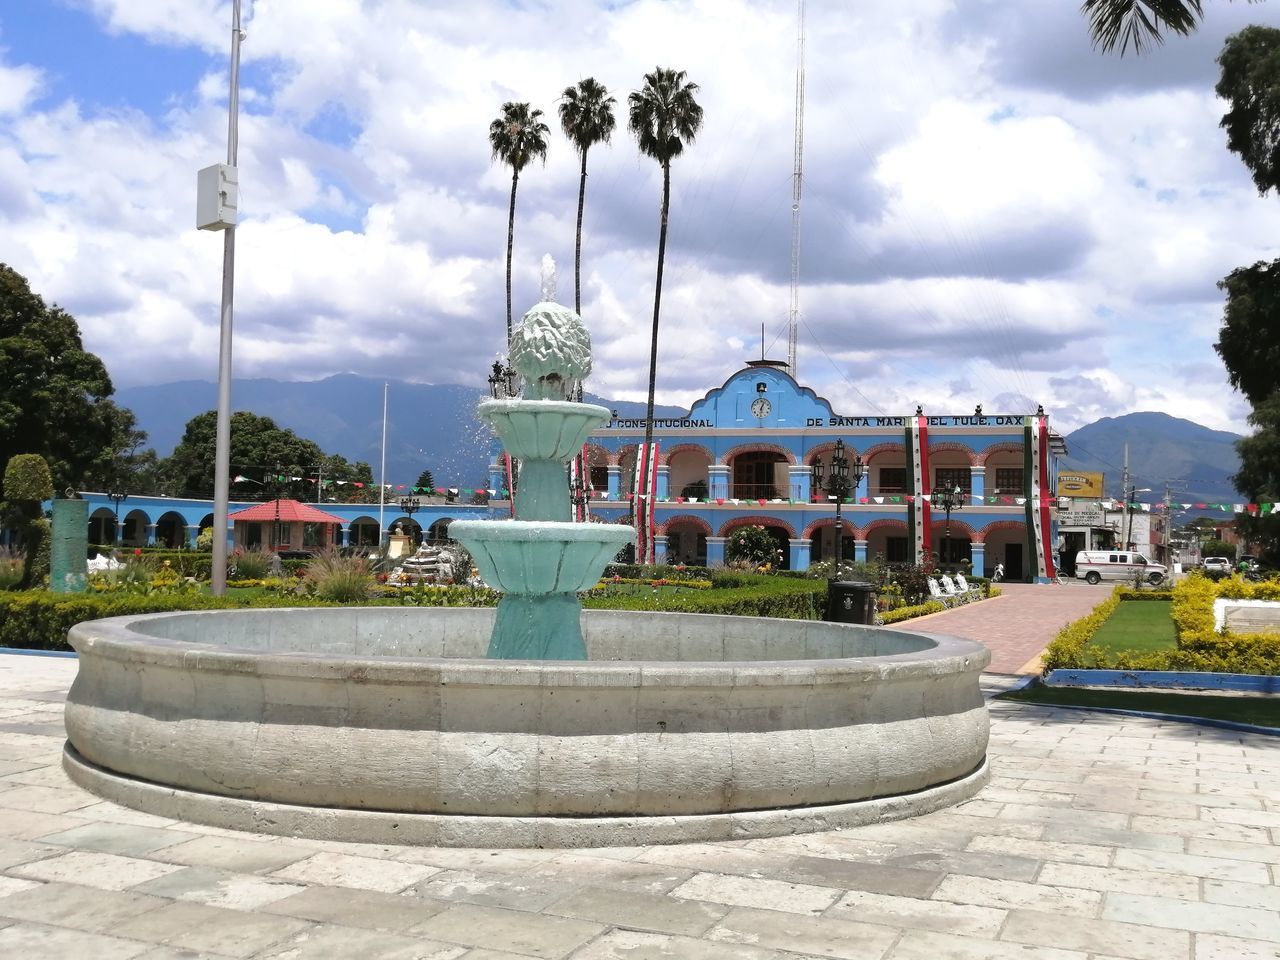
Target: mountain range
434, 427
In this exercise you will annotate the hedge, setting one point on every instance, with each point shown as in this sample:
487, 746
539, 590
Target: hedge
1199, 646
909, 613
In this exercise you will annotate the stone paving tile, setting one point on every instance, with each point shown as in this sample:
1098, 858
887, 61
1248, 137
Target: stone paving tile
1256, 852
217, 888
1087, 853
36, 940
1211, 947
195, 926
1202, 829
906, 876
357, 908
929, 945
329, 942
1095, 936
365, 873
1266, 897
228, 853
1216, 868
80, 908
1198, 917
623, 908
45, 799
122, 838
638, 945
15, 852
962, 918
1111, 879
533, 934
1014, 893
757, 892
626, 874
819, 936
104, 870
492, 890
29, 824
1129, 839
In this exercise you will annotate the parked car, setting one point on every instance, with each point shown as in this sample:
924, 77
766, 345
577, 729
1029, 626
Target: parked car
1095, 565
1217, 566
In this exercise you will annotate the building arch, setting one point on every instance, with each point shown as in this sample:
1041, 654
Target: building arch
1004, 446
685, 519
664, 456
828, 447
864, 533
954, 446
981, 535
171, 529
760, 521
758, 447
876, 449
823, 522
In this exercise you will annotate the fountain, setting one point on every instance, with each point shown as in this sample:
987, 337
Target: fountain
603, 727
541, 561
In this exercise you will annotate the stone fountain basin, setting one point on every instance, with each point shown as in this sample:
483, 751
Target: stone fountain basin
538, 556
542, 429
382, 724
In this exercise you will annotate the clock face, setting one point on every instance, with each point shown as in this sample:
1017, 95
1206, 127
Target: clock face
761, 407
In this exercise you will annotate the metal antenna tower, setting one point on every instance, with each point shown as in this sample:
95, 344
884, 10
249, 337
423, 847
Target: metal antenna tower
797, 179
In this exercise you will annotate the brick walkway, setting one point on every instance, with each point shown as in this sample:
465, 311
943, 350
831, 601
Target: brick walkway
1099, 838
1018, 625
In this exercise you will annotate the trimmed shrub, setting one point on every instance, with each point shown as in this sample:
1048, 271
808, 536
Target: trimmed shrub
12, 565
910, 613
27, 478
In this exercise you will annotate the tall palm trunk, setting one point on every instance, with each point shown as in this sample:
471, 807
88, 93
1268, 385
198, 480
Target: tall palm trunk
653, 346
577, 247
511, 239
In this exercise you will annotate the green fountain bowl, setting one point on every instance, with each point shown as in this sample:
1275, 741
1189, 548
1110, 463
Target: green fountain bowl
534, 556
543, 429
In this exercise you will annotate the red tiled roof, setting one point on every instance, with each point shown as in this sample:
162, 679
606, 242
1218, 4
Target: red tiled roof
290, 511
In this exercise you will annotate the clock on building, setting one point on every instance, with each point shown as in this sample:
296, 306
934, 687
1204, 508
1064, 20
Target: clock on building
761, 407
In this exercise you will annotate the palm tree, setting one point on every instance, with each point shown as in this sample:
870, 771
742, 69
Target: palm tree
586, 115
1139, 22
517, 137
664, 115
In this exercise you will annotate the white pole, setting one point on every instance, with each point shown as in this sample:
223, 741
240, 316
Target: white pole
222, 443
382, 481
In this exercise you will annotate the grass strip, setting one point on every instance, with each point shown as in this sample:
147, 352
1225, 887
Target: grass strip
1259, 711
1138, 628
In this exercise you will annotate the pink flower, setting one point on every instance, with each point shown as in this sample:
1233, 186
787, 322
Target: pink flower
137, 551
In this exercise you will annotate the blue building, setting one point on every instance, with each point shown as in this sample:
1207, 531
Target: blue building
744, 453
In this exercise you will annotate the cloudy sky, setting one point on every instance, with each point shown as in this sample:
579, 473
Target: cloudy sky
993, 212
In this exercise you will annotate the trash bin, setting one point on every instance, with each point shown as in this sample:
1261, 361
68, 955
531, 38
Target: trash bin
851, 601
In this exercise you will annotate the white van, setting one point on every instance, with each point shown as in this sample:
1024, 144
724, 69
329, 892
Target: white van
1095, 565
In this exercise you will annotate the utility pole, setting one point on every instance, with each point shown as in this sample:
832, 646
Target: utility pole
797, 181
222, 442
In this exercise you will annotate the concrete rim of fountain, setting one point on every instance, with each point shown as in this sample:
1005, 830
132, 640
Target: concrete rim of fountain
173, 715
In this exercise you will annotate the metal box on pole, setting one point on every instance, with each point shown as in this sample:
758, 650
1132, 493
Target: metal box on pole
217, 197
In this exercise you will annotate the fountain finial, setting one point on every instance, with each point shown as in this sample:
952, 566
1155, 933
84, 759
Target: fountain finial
548, 279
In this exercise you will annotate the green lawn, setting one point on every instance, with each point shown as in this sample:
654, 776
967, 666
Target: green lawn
1260, 711
1138, 626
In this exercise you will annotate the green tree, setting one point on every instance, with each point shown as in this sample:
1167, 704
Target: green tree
664, 115
54, 393
1250, 83
1259, 476
1139, 23
260, 450
1247, 340
586, 116
516, 137
426, 482
27, 485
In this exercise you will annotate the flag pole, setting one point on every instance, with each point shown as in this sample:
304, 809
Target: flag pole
382, 480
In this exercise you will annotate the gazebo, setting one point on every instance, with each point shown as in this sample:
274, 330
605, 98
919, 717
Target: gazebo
284, 525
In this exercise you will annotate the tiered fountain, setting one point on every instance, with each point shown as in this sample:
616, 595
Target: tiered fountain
542, 560
390, 725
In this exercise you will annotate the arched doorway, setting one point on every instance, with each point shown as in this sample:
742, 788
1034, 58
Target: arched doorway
438, 532
687, 540
171, 530
759, 475
687, 472
781, 533
1006, 542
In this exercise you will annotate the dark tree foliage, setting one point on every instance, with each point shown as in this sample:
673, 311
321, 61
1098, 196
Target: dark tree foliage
1250, 84
1259, 476
54, 393
426, 482
276, 460
1249, 341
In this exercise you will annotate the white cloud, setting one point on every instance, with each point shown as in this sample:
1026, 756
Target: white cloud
976, 225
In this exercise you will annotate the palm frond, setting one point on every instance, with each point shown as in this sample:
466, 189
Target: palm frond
586, 114
664, 115
1139, 23
518, 136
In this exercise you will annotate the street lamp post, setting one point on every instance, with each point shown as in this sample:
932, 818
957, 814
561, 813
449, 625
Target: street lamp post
116, 495
839, 482
948, 500
410, 506
502, 381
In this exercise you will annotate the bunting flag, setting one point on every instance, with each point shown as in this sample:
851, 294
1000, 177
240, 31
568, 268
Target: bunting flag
917, 438
646, 487
1035, 447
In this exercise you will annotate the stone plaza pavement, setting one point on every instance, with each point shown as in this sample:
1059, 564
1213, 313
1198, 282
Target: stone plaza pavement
1099, 836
